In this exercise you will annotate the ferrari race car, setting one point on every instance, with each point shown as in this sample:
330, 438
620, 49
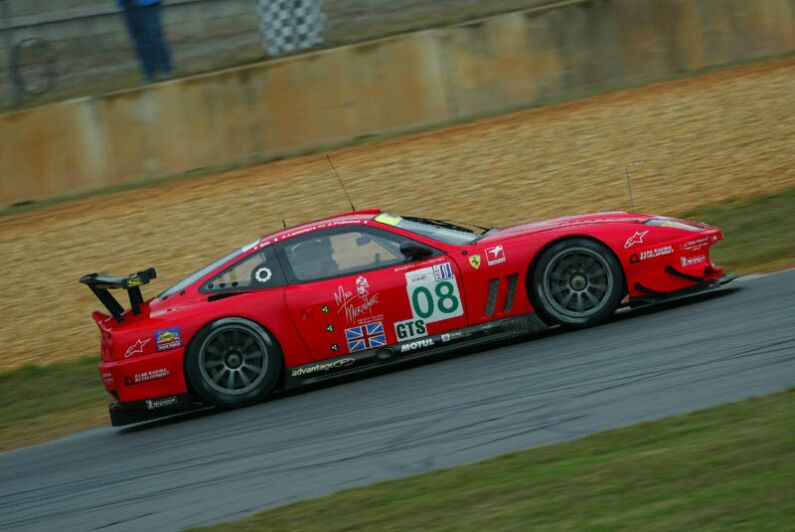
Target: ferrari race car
366, 289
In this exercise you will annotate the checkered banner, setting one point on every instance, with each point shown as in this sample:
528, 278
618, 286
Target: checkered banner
291, 25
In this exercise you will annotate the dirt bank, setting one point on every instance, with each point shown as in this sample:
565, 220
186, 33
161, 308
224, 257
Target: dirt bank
726, 134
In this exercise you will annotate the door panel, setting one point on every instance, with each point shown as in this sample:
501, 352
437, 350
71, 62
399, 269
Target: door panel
378, 308
351, 289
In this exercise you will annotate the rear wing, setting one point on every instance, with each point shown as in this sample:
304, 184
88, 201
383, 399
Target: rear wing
101, 285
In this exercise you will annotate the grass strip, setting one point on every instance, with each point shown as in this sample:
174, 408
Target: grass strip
759, 233
38, 403
729, 467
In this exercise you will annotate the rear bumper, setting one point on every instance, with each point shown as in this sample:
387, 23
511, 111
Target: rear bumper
138, 411
145, 377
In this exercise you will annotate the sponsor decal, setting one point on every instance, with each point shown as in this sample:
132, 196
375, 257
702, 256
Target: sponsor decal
134, 281
695, 245
690, 261
651, 254
412, 265
263, 275
363, 287
315, 227
455, 335
168, 338
357, 307
474, 261
153, 404
432, 300
637, 238
365, 336
410, 329
442, 271
324, 366
495, 255
419, 344
656, 252
107, 378
146, 376
137, 347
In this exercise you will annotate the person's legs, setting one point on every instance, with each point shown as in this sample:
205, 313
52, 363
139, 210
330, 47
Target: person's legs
138, 35
161, 56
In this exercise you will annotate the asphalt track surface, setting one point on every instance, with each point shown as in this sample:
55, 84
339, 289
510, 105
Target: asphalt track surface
649, 363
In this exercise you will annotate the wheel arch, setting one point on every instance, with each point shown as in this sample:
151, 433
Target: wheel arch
271, 336
536, 258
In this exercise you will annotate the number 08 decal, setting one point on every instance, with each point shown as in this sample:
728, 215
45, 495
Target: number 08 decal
433, 293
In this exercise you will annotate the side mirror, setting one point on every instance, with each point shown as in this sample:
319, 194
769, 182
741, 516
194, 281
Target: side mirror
415, 251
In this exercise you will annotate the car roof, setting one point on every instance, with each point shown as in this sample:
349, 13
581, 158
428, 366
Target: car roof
347, 218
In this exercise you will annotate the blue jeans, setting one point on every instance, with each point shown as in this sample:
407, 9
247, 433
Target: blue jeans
146, 31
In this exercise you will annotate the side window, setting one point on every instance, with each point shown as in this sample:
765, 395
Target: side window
342, 252
258, 270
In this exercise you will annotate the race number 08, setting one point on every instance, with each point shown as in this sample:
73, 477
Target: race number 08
424, 302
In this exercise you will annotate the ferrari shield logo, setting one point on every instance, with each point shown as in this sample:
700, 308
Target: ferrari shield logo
474, 260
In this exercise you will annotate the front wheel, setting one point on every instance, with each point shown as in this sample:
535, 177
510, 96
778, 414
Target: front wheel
577, 283
233, 362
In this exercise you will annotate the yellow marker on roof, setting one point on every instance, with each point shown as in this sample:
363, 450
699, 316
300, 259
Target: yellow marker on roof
388, 219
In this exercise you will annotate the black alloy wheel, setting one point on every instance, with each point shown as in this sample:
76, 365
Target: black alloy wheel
233, 362
576, 283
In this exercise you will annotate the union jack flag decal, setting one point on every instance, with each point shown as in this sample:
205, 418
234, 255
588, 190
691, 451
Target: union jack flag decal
365, 336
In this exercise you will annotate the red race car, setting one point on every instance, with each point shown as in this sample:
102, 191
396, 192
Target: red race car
367, 288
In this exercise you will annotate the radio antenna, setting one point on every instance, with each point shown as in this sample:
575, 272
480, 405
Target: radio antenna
340, 180
629, 184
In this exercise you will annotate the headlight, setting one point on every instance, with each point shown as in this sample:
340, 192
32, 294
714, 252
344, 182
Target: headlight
673, 223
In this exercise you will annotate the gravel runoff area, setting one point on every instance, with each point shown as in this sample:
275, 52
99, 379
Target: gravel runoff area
721, 135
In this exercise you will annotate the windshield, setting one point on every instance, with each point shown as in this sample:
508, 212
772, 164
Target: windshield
189, 280
441, 230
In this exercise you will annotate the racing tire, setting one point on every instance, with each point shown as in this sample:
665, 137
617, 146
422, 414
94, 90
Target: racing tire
576, 283
233, 362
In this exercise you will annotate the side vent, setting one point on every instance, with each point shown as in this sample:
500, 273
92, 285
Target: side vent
491, 302
512, 281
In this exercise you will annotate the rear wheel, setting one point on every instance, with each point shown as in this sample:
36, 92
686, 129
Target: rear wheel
233, 362
577, 283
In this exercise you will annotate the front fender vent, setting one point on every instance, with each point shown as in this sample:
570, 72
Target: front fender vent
513, 280
491, 301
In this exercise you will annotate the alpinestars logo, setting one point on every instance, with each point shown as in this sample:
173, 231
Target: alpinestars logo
637, 238
137, 347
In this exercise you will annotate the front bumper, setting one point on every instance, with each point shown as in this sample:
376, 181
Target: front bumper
138, 411
650, 296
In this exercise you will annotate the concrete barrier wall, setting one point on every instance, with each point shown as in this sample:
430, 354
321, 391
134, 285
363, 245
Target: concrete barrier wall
394, 84
90, 42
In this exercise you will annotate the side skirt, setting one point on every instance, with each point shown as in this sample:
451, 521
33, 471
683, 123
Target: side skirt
411, 350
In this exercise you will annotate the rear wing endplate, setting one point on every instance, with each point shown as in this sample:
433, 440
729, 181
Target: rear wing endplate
101, 285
